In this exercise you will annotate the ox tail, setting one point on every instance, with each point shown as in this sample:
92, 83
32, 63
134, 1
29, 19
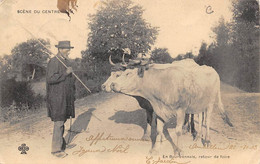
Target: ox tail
222, 111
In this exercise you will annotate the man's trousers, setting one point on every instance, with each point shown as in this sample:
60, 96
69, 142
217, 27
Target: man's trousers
58, 141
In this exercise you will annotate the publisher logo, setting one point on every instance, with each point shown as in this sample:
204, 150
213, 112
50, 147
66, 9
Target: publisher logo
23, 148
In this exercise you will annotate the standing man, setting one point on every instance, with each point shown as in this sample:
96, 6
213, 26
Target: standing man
60, 86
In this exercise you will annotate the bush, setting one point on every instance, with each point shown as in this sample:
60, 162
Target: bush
161, 55
17, 100
20, 94
12, 112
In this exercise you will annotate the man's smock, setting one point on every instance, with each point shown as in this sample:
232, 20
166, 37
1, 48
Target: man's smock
60, 88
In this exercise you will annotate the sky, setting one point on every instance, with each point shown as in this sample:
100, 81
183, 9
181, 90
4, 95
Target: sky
183, 24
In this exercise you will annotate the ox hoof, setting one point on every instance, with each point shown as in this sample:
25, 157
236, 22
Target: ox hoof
206, 143
184, 131
162, 139
194, 135
145, 138
196, 138
178, 152
153, 152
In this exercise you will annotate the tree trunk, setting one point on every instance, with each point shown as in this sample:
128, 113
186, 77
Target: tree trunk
33, 73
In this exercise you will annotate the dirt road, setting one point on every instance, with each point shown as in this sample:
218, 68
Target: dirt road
108, 128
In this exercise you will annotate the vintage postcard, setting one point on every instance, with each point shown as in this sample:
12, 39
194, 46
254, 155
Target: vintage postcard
129, 81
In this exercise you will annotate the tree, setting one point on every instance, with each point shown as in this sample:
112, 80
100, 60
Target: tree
203, 56
235, 52
118, 25
245, 42
179, 57
188, 55
222, 32
30, 56
5, 66
223, 54
161, 55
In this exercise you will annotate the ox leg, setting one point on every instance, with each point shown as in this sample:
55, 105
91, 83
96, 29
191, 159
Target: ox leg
160, 126
146, 105
177, 150
147, 131
156, 139
200, 120
207, 122
186, 125
180, 113
193, 131
153, 132
189, 122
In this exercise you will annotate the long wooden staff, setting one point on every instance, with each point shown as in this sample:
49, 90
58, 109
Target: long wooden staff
72, 72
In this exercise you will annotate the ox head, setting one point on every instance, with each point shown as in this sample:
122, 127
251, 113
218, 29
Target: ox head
113, 76
128, 82
125, 68
116, 71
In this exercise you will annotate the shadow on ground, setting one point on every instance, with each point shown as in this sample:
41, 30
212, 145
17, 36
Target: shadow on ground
80, 124
137, 117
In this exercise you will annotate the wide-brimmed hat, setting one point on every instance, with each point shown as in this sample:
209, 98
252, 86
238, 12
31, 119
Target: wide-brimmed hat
64, 44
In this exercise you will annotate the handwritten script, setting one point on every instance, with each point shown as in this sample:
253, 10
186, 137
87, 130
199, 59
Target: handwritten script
103, 149
209, 10
228, 147
151, 160
94, 139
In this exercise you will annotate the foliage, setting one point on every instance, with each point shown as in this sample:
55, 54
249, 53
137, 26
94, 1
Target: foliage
161, 55
203, 56
14, 114
11, 113
30, 55
245, 42
184, 56
235, 52
118, 25
5, 65
223, 32
93, 74
18, 92
246, 11
17, 99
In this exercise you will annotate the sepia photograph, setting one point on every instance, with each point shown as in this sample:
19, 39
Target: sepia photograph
129, 82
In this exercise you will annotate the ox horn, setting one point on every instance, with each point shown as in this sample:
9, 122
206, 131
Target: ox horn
110, 61
123, 61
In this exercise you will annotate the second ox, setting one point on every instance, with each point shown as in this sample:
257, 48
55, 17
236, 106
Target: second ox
174, 91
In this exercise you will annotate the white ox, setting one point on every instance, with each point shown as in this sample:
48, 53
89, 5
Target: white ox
174, 91
143, 103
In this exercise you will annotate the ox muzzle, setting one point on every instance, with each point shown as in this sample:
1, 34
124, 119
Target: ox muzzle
103, 87
113, 87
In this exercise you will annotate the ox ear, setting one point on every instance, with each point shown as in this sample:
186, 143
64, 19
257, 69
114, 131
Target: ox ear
141, 71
